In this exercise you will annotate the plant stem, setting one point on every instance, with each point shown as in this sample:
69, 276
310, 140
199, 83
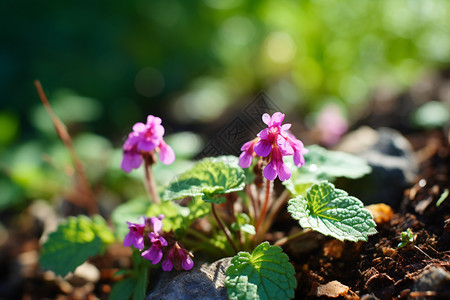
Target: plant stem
274, 210
151, 184
284, 240
264, 208
248, 188
222, 226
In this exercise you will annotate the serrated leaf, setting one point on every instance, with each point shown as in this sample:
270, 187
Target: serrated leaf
264, 274
74, 242
209, 178
332, 212
322, 164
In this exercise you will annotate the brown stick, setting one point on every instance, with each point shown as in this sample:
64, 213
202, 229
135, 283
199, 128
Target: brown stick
86, 198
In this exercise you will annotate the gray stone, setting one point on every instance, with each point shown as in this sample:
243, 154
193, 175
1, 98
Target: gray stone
433, 278
205, 282
390, 155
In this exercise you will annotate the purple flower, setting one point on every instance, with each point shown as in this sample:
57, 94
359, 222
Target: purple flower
155, 223
276, 167
179, 258
154, 253
298, 149
142, 141
135, 236
246, 157
274, 142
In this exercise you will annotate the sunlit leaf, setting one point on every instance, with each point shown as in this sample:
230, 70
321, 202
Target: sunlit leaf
74, 242
209, 178
332, 212
264, 274
322, 164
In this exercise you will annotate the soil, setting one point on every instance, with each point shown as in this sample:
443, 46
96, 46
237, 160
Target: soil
325, 267
378, 269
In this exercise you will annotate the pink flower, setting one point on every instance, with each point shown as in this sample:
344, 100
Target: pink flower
276, 167
331, 125
143, 141
154, 253
274, 142
246, 157
135, 236
179, 258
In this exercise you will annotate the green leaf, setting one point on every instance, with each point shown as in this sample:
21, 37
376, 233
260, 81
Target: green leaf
123, 289
322, 164
209, 178
333, 212
442, 198
174, 214
198, 209
406, 237
141, 285
242, 223
264, 274
74, 242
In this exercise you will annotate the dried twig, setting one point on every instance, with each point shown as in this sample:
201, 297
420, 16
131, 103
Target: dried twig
85, 197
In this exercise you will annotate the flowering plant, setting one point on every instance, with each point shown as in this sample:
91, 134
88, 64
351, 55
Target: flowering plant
238, 203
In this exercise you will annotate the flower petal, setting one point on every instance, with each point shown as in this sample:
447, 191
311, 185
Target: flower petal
263, 148
154, 254
266, 118
277, 119
167, 265
139, 127
166, 154
245, 159
156, 224
286, 126
264, 134
283, 171
270, 172
130, 161
187, 263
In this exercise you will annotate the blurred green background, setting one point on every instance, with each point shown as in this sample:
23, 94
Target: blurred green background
108, 64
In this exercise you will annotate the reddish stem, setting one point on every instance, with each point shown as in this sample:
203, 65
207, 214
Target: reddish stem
151, 184
265, 207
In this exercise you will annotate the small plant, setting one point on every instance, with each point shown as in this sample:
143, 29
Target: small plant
236, 196
406, 237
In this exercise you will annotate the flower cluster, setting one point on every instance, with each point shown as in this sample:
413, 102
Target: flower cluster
161, 244
274, 143
142, 143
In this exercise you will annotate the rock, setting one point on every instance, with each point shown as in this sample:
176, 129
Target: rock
205, 282
433, 278
88, 272
391, 157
